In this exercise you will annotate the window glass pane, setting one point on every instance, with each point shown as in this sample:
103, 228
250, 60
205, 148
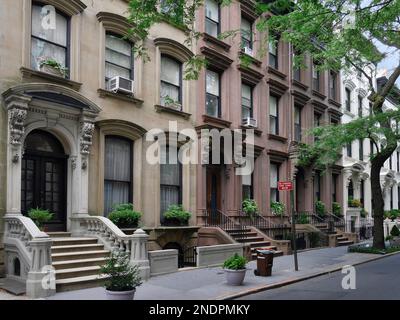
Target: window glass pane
273, 175
42, 50
246, 113
297, 115
246, 180
211, 28
169, 171
272, 47
117, 156
115, 193
212, 105
57, 35
212, 82
168, 90
246, 92
272, 125
170, 71
212, 10
114, 71
273, 107
246, 29
169, 195
119, 45
118, 58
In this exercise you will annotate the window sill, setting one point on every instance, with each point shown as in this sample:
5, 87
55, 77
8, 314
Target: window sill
160, 109
276, 72
105, 94
211, 39
257, 131
218, 121
253, 60
318, 94
272, 136
334, 103
28, 73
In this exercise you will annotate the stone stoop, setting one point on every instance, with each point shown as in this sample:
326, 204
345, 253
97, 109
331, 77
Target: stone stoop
341, 240
254, 241
77, 261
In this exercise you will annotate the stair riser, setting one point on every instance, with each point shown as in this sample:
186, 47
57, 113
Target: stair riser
247, 234
80, 256
237, 231
79, 265
75, 249
248, 240
59, 234
260, 244
72, 242
79, 285
76, 274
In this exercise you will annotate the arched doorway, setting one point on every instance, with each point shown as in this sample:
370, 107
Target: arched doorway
44, 177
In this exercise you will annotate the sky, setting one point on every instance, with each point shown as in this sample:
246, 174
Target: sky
388, 64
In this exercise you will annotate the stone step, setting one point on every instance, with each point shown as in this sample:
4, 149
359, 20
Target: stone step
77, 272
342, 239
258, 244
249, 239
80, 283
79, 255
77, 247
237, 230
73, 241
241, 234
79, 263
59, 234
344, 243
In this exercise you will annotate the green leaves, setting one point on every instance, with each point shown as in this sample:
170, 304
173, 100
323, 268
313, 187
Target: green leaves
123, 216
40, 216
235, 262
249, 206
177, 212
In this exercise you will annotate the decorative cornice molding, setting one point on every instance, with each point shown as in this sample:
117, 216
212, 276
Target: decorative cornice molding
300, 97
249, 75
215, 59
71, 7
349, 84
248, 9
121, 127
173, 48
277, 87
115, 23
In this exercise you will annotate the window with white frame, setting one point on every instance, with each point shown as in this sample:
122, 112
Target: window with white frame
212, 17
297, 123
316, 75
171, 81
247, 101
47, 43
246, 31
212, 93
119, 57
273, 114
348, 99
273, 52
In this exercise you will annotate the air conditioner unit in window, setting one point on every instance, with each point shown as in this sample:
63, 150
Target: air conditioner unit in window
249, 122
248, 51
120, 84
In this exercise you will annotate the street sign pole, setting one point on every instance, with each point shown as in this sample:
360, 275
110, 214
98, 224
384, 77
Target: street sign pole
296, 265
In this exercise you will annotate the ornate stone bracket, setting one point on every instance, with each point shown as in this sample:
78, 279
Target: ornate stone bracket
86, 135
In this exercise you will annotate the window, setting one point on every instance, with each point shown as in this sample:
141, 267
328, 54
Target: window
273, 53
398, 197
247, 187
296, 69
273, 181
349, 151
398, 162
332, 84
391, 198
316, 77
370, 109
247, 102
212, 18
117, 172
49, 43
317, 123
360, 106
247, 34
350, 191
317, 186
361, 149
171, 80
170, 179
119, 58
348, 100
273, 115
213, 93
297, 123
390, 162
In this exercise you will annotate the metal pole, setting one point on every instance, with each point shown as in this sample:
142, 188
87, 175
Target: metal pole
296, 265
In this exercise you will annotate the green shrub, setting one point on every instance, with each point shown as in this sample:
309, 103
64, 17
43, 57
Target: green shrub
336, 209
124, 216
355, 203
314, 239
363, 213
395, 232
40, 216
54, 64
388, 238
374, 250
177, 212
235, 262
302, 218
249, 207
277, 208
122, 275
320, 208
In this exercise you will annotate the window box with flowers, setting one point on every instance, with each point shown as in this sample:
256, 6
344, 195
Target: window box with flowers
51, 66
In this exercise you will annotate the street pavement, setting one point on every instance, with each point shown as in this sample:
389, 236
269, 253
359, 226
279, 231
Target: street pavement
377, 280
209, 283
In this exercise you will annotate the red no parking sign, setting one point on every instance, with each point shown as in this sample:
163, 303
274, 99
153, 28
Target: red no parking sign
285, 185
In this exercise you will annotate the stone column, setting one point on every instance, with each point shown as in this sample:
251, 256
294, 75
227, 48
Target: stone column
139, 253
17, 111
41, 277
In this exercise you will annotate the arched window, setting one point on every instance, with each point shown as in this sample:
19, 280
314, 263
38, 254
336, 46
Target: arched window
117, 172
171, 81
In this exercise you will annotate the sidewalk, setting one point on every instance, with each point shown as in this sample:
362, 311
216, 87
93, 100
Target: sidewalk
209, 283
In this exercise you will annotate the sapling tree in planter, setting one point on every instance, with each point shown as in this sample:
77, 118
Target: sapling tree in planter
320, 208
235, 270
122, 277
176, 216
40, 217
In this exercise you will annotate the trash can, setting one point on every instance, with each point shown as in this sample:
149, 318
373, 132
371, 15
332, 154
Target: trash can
265, 259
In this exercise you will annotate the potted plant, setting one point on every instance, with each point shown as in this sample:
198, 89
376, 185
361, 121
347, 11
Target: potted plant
302, 218
320, 208
363, 213
40, 217
122, 277
50, 65
336, 209
249, 207
176, 216
277, 208
235, 270
124, 216
355, 203
394, 236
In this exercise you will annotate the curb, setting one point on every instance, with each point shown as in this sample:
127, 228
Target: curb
291, 281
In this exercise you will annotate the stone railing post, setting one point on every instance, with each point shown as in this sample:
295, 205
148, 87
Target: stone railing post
139, 253
41, 280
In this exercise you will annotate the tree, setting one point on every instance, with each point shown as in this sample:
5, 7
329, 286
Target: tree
337, 34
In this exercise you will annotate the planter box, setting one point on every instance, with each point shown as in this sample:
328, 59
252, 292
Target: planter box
51, 70
235, 277
174, 223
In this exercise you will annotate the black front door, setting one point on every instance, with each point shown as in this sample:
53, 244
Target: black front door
44, 184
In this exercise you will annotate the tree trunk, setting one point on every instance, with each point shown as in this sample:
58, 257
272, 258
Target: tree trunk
378, 203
